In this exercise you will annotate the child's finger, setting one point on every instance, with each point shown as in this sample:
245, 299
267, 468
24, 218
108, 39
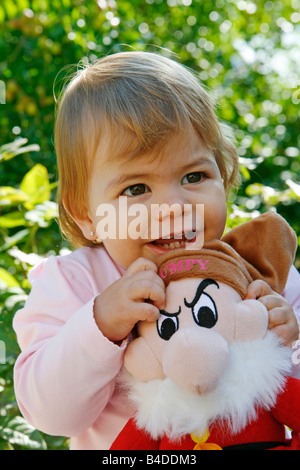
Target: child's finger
150, 276
286, 332
141, 264
146, 289
258, 289
277, 316
272, 301
280, 332
145, 312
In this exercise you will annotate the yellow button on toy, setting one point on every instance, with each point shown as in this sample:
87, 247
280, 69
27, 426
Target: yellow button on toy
201, 443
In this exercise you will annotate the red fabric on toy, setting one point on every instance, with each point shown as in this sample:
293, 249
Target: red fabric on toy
268, 427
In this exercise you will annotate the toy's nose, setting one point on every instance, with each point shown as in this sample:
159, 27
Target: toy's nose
195, 359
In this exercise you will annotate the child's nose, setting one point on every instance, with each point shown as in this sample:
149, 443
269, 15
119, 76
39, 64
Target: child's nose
173, 206
168, 211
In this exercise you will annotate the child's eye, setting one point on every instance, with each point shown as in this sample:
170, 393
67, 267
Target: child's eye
135, 190
194, 177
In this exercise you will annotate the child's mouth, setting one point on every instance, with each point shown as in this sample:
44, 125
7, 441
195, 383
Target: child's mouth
173, 243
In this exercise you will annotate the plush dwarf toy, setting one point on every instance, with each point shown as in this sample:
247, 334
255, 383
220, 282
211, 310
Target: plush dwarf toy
209, 374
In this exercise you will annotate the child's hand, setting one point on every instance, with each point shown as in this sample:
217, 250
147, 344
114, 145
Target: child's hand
282, 319
138, 295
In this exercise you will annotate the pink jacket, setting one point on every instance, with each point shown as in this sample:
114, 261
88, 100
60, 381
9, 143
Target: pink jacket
65, 377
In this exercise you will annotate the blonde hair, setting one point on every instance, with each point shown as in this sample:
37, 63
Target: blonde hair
144, 96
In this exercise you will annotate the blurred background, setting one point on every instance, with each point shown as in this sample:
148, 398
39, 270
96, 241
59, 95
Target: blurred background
247, 54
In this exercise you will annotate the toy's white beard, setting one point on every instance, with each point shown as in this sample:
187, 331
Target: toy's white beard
253, 379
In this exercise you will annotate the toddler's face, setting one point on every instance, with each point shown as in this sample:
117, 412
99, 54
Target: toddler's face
183, 173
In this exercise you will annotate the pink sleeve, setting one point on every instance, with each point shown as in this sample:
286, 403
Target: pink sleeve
66, 372
292, 291
292, 294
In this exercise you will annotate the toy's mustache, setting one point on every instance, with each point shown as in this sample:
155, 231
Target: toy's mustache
165, 408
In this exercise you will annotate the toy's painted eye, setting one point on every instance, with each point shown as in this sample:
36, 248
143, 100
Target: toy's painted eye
205, 312
167, 324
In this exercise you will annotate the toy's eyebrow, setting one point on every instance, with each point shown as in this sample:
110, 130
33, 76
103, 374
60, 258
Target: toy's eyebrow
167, 314
203, 284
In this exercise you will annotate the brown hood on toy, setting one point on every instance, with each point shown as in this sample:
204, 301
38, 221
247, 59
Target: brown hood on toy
268, 246
263, 248
215, 260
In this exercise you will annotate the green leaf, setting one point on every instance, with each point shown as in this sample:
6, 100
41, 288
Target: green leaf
36, 185
245, 172
12, 219
7, 279
4, 445
18, 432
42, 214
9, 151
10, 195
254, 189
294, 187
14, 239
2, 14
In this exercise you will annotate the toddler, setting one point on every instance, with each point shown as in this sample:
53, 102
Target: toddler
140, 126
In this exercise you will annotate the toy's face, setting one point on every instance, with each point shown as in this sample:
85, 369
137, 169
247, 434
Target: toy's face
190, 341
197, 302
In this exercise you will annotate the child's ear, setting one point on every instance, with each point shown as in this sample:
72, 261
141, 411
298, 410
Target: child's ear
86, 226
84, 222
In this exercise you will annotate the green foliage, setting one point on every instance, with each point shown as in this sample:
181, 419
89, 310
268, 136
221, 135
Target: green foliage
244, 51
25, 210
